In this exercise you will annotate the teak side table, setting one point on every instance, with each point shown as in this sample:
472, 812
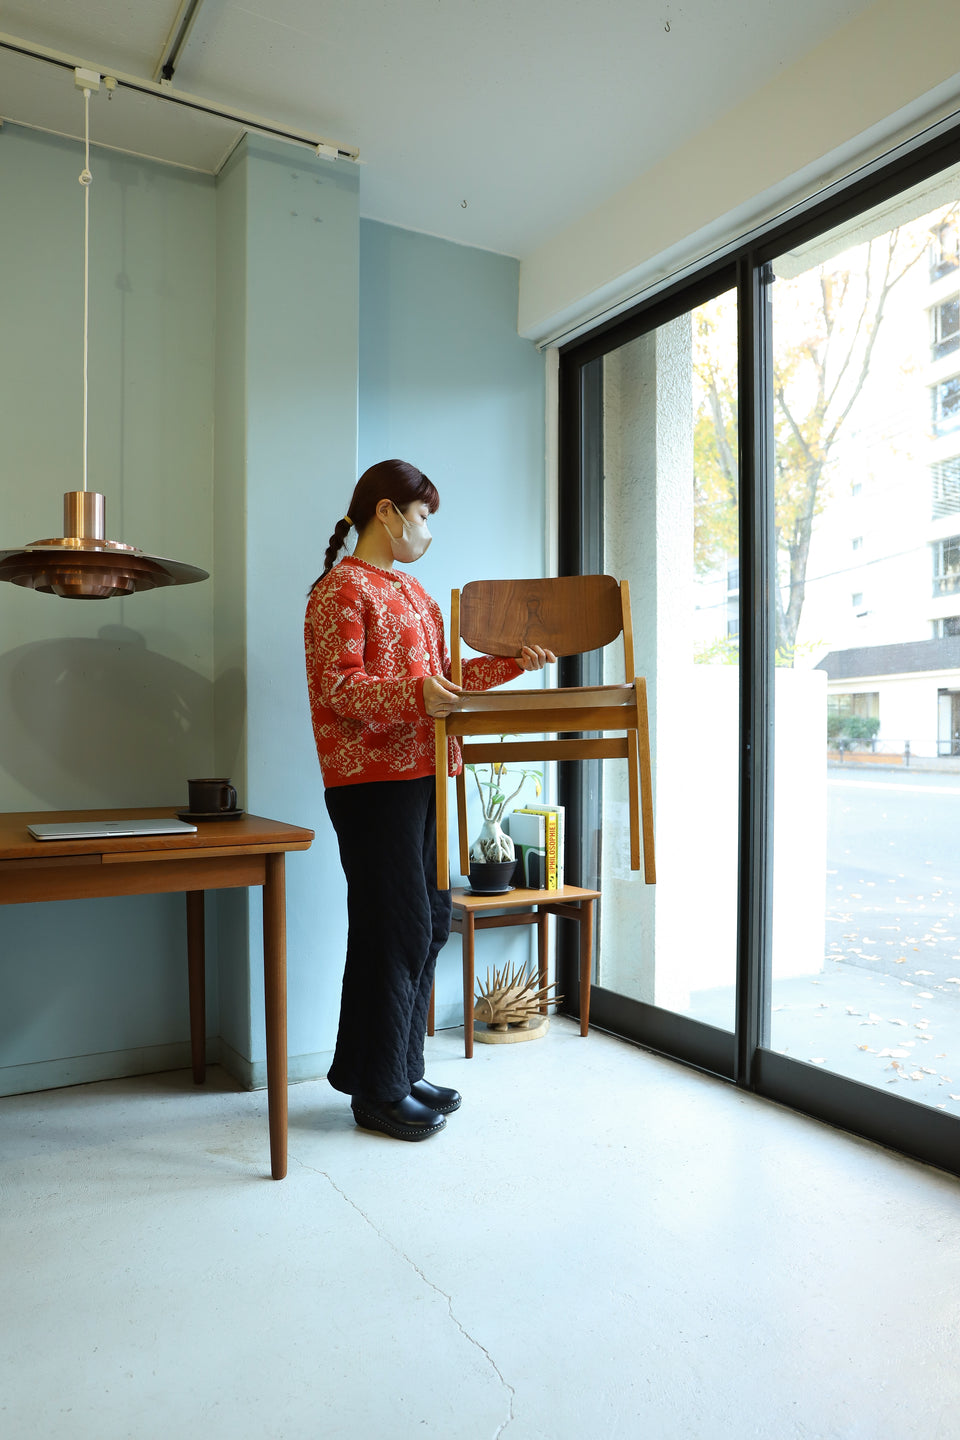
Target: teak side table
223, 854
520, 907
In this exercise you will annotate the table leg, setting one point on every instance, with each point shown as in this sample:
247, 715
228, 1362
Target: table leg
586, 962
467, 935
275, 1005
196, 971
432, 1012
542, 969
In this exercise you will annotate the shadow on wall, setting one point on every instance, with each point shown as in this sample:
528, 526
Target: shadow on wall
106, 721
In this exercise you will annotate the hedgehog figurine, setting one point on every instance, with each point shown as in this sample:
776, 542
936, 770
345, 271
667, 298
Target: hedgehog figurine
512, 997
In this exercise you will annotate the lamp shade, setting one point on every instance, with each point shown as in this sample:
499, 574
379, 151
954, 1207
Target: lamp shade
83, 565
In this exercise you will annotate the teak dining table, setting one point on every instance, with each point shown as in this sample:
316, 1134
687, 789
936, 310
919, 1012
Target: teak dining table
222, 855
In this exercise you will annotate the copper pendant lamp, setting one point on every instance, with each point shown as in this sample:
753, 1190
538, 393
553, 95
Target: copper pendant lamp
82, 564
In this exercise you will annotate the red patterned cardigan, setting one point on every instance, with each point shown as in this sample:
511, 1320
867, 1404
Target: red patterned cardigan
371, 637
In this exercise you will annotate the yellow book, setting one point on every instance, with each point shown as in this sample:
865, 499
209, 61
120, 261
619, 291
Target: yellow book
553, 817
551, 820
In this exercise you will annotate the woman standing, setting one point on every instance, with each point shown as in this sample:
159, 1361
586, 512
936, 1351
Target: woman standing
378, 674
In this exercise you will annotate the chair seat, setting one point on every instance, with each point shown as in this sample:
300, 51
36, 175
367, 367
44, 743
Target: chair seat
532, 712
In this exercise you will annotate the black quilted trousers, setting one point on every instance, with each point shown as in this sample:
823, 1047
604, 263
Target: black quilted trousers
398, 921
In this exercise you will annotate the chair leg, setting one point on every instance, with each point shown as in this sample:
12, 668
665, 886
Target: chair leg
468, 934
443, 857
633, 792
462, 824
646, 784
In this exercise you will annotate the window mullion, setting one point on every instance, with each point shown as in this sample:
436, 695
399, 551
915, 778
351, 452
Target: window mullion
757, 578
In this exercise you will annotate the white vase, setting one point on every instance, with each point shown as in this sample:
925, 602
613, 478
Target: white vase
491, 846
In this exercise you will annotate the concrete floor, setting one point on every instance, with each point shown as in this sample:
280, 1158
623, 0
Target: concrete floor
601, 1244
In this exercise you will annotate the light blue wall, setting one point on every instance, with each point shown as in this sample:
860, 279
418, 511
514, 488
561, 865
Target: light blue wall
258, 312
287, 421
230, 585
102, 703
446, 383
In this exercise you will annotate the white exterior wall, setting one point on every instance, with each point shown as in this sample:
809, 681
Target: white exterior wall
663, 944
799, 823
908, 707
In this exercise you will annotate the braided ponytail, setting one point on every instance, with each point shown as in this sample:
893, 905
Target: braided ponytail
337, 541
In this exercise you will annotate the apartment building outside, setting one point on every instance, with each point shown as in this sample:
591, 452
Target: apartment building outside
881, 584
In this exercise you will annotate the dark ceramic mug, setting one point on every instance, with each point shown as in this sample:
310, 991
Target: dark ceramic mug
211, 797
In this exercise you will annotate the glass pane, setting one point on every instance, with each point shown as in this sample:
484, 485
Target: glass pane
866, 955
671, 527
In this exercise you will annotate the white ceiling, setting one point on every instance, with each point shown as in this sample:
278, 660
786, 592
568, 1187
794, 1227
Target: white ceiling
531, 112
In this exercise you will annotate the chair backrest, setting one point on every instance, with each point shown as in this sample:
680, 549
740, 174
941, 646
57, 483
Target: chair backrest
568, 614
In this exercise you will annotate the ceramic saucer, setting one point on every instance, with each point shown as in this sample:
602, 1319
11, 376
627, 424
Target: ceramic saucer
191, 815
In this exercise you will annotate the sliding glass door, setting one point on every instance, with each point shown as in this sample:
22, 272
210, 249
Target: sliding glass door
667, 430
770, 454
865, 363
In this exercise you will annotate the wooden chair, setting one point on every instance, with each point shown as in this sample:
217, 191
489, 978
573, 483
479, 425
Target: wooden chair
568, 615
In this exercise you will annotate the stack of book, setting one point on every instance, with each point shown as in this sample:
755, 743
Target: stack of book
537, 834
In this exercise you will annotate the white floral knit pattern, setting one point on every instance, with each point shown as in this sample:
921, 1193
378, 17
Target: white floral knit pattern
371, 637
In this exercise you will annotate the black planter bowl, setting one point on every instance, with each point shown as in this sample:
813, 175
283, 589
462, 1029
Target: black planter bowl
494, 878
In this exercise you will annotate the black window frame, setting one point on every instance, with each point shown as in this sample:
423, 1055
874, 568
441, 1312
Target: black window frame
744, 1057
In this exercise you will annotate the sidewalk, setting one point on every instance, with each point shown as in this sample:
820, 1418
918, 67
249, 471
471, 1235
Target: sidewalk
879, 1029
936, 764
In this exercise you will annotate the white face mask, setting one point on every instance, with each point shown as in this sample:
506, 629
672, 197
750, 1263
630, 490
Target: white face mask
413, 540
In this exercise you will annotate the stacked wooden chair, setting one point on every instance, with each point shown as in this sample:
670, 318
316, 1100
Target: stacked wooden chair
568, 615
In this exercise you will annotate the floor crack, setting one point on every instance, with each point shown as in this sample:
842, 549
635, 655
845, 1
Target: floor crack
511, 1392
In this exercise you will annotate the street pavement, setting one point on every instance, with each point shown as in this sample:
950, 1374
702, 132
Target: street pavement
885, 1008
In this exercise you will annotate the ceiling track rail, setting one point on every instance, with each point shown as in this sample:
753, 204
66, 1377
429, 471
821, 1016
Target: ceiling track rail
255, 124
177, 40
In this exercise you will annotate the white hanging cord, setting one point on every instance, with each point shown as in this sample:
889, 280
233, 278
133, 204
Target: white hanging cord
85, 180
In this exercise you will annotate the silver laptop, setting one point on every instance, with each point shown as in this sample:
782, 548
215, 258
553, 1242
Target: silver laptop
109, 829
